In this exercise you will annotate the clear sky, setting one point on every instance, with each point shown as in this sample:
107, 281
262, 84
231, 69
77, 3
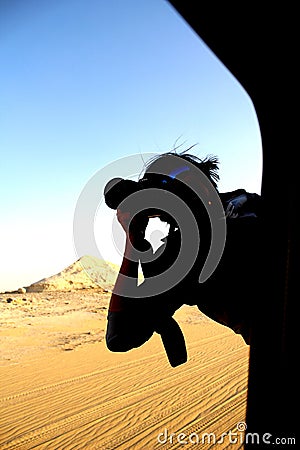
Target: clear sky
87, 82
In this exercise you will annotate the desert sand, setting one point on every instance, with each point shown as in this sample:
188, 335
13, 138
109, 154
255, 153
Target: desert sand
60, 387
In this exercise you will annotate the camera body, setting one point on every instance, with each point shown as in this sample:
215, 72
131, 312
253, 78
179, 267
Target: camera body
118, 189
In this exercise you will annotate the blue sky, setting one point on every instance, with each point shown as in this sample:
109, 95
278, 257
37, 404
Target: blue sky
87, 82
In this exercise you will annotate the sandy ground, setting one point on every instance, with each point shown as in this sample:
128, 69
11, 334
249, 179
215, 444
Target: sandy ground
60, 388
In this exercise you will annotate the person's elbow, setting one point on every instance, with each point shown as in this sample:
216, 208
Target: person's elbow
115, 344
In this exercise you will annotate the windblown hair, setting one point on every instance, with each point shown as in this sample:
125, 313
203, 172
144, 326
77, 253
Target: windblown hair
209, 165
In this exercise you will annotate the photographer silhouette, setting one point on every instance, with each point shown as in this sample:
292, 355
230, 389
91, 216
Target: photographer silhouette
180, 189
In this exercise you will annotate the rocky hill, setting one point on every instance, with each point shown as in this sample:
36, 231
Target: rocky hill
87, 272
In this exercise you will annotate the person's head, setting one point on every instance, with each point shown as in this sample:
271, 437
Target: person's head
189, 178
184, 174
177, 166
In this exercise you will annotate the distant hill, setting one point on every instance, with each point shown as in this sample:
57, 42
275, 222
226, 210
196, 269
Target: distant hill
87, 272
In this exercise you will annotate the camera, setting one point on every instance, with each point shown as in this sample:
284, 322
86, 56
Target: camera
118, 189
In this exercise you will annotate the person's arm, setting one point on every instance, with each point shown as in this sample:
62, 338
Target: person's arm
127, 278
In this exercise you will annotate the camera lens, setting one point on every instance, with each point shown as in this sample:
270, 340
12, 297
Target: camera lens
117, 189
